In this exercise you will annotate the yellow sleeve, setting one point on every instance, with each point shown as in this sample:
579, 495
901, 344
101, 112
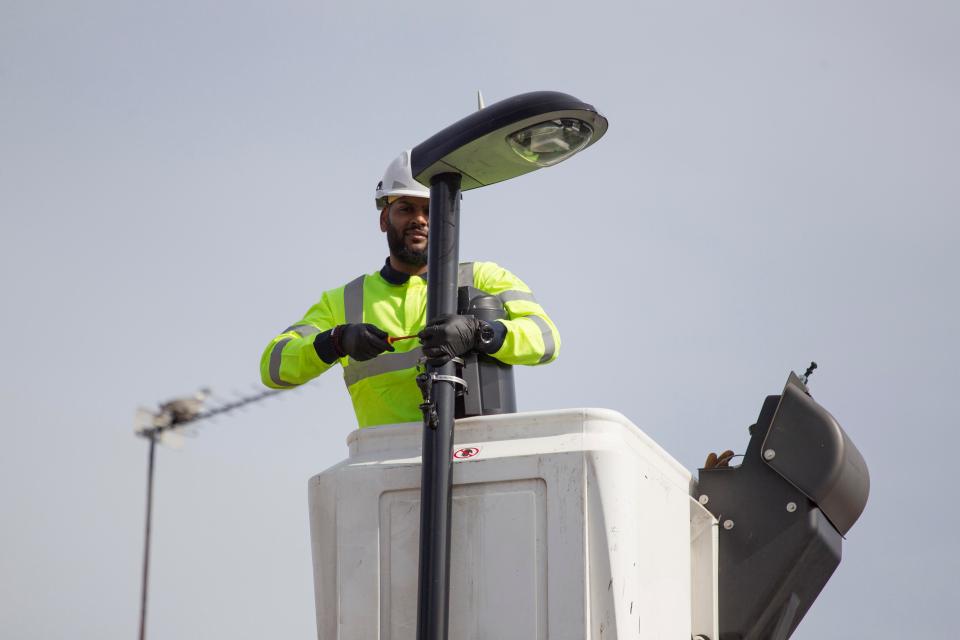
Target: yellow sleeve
290, 359
531, 338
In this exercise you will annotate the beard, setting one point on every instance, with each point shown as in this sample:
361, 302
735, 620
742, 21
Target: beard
400, 250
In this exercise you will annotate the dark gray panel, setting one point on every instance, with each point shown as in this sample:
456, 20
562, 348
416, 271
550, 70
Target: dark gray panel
812, 452
778, 546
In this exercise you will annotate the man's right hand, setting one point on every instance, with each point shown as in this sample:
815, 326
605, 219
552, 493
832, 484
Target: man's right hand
360, 341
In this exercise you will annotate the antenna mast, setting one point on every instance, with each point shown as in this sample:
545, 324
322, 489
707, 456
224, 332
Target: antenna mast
166, 426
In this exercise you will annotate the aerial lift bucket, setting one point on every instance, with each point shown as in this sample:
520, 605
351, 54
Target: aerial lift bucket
567, 524
574, 524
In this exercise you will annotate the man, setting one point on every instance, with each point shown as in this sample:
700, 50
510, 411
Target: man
351, 324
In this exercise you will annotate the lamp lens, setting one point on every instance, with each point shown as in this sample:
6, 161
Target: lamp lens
547, 143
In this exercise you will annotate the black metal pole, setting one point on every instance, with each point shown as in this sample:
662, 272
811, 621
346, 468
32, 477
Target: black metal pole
437, 472
146, 543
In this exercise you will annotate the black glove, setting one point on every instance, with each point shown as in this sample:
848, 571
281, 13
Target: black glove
448, 336
360, 341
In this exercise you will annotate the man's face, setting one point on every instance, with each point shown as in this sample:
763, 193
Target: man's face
406, 223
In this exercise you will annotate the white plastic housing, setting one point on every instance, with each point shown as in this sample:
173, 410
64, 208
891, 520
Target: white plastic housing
567, 524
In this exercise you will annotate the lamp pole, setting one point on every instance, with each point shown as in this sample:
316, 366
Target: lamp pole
499, 142
437, 468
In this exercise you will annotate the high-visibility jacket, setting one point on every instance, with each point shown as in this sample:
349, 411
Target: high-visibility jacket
384, 389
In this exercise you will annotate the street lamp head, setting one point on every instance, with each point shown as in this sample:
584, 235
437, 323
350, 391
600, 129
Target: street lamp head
508, 139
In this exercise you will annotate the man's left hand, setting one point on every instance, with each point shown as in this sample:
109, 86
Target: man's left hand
448, 336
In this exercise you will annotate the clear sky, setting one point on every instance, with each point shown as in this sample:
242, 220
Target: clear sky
180, 181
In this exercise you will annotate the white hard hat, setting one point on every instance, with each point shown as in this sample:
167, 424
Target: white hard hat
398, 181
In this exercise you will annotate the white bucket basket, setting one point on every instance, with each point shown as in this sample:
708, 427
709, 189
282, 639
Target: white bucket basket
567, 524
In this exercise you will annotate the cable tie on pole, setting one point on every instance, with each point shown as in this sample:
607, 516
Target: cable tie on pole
426, 380
453, 379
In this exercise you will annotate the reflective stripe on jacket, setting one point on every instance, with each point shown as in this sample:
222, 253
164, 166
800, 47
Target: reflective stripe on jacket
384, 389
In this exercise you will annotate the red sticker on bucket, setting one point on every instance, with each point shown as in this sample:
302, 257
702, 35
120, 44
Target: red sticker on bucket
466, 452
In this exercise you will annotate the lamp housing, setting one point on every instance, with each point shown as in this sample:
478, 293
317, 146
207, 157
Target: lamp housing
509, 138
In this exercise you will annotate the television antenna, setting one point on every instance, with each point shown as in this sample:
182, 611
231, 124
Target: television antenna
167, 425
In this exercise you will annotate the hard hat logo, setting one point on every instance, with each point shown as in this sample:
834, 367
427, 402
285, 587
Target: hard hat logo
400, 179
